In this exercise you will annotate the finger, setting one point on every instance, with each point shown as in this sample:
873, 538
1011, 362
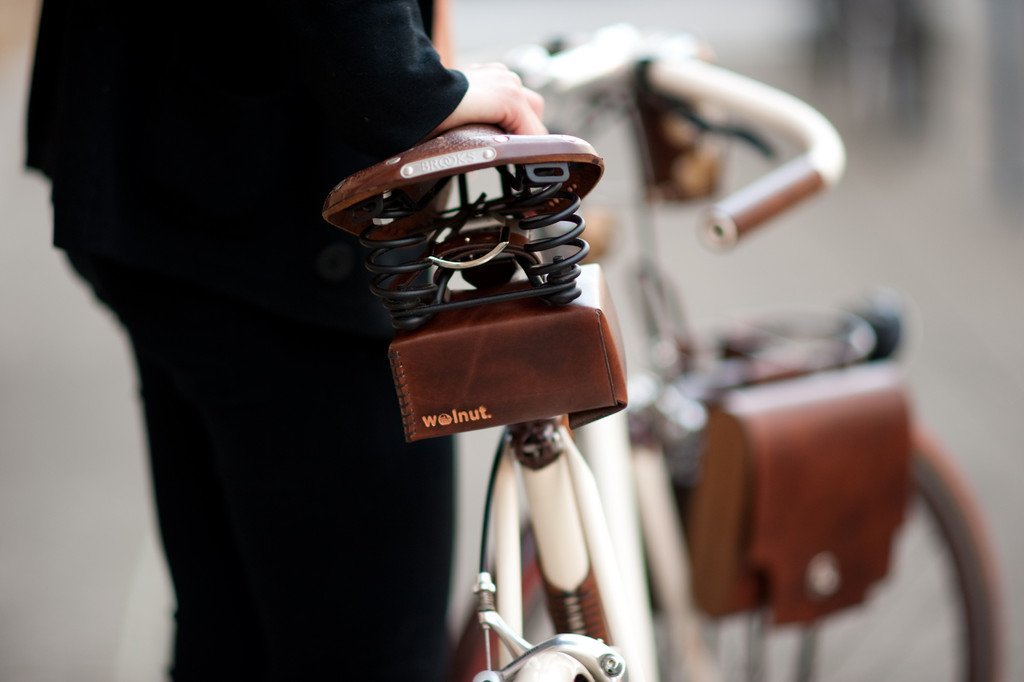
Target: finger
528, 122
535, 101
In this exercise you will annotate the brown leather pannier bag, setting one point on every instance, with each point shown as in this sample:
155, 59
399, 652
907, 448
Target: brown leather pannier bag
511, 362
680, 163
803, 486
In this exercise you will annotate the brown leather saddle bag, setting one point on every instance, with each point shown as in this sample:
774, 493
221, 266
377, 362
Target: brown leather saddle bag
803, 486
512, 362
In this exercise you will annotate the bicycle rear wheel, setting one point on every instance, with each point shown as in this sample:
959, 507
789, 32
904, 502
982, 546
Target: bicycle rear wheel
935, 617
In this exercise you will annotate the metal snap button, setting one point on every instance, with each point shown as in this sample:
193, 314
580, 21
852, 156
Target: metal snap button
823, 575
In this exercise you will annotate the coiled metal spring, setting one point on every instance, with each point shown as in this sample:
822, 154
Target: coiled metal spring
535, 210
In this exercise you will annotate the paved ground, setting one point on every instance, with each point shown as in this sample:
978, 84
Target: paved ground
82, 594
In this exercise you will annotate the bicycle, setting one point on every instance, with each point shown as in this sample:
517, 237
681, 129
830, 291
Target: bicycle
437, 270
447, 278
654, 81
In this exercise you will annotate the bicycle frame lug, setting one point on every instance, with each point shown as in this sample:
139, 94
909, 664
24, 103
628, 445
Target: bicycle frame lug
536, 444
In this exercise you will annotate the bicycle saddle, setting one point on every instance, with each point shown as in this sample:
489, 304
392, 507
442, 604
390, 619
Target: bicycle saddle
416, 173
518, 329
520, 238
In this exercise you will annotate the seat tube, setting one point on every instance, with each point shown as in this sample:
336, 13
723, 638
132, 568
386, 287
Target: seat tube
575, 551
562, 551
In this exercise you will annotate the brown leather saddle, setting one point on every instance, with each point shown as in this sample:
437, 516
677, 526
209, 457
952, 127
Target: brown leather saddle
416, 173
498, 322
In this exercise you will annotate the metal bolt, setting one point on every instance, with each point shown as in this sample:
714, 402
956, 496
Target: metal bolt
612, 665
489, 154
408, 171
393, 160
500, 138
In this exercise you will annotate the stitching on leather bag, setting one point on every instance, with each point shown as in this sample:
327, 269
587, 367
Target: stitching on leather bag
404, 399
607, 363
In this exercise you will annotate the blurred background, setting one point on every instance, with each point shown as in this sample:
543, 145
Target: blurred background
932, 110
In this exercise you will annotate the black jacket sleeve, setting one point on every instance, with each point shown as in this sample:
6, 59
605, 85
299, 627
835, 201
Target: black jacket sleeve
371, 67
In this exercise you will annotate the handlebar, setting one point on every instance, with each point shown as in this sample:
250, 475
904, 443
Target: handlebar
676, 66
820, 166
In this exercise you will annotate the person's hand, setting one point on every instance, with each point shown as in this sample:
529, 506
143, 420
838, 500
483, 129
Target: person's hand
496, 95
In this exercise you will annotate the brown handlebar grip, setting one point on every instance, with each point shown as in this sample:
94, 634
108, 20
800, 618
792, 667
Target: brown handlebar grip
734, 216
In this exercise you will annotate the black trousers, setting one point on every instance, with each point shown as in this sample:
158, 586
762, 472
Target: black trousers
305, 538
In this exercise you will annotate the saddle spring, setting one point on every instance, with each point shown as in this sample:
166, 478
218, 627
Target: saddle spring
536, 214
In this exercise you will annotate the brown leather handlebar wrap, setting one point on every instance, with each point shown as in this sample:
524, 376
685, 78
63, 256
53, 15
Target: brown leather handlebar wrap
512, 362
803, 485
733, 217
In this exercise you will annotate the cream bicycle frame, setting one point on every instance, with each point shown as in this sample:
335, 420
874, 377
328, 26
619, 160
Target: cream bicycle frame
587, 516
592, 516
572, 535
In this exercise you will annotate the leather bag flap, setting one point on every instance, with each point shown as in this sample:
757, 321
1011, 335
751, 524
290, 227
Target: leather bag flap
808, 480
